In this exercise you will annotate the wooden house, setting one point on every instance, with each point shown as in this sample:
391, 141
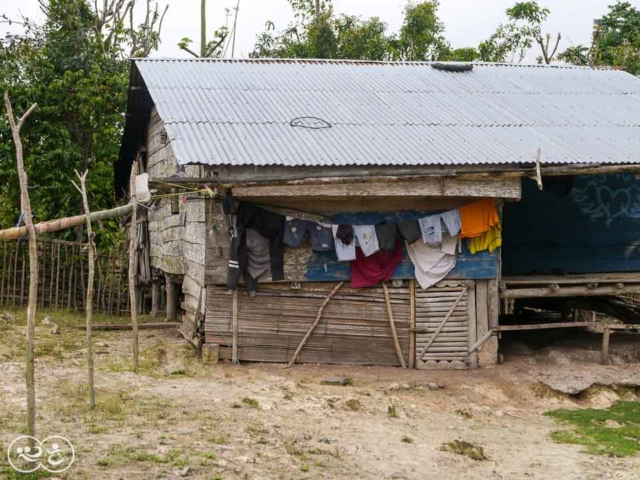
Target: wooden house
360, 143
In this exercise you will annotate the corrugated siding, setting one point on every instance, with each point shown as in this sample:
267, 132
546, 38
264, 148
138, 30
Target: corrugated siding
239, 113
354, 328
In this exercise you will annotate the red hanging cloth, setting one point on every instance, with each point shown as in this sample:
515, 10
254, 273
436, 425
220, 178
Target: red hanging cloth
370, 271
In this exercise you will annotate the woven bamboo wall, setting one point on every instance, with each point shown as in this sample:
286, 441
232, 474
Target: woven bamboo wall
62, 276
354, 328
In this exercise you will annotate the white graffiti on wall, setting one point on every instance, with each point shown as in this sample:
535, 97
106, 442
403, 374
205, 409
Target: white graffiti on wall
609, 197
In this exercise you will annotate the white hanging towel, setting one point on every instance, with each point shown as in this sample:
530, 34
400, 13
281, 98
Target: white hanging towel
142, 188
345, 253
438, 264
367, 239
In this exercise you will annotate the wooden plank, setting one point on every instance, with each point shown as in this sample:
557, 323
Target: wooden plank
234, 319
516, 280
427, 187
574, 291
541, 326
129, 326
493, 302
482, 307
606, 335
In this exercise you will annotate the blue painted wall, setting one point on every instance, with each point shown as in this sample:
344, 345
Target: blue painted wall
584, 224
325, 266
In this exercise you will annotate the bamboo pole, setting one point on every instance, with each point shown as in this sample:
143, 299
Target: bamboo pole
314, 325
33, 263
133, 248
15, 275
89, 302
58, 254
4, 271
412, 323
392, 324
63, 223
53, 271
234, 333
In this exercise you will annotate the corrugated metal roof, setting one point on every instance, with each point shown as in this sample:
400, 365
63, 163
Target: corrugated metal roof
238, 112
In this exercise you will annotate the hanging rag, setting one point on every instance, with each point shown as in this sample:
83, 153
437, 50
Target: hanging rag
258, 258
386, 233
431, 264
368, 271
489, 240
321, 238
367, 239
345, 233
409, 231
345, 252
431, 229
478, 217
268, 224
294, 231
451, 220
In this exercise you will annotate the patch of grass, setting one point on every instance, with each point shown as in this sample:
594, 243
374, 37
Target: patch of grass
468, 449
464, 413
305, 468
353, 404
219, 440
407, 439
9, 473
250, 402
392, 411
596, 431
97, 429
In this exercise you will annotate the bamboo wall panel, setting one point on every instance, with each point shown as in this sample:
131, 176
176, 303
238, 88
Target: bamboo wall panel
451, 345
62, 275
354, 328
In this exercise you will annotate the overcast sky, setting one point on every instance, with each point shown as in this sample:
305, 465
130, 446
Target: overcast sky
467, 21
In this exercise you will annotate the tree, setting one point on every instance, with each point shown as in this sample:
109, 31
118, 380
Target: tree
214, 48
617, 38
318, 33
75, 66
512, 41
421, 35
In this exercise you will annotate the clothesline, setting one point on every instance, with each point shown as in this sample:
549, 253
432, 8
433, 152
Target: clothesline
258, 238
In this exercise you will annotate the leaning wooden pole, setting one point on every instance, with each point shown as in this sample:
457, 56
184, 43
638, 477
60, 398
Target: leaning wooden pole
89, 301
25, 204
392, 324
62, 223
314, 325
133, 248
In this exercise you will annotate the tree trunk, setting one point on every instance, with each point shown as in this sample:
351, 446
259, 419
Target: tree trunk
203, 28
89, 301
133, 248
33, 264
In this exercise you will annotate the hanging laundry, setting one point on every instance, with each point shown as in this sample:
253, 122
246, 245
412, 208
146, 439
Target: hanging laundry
258, 258
489, 240
386, 233
478, 217
294, 231
345, 233
268, 224
431, 229
368, 271
367, 239
432, 263
345, 252
451, 220
321, 238
409, 231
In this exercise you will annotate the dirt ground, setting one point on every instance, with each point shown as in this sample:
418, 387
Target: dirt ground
178, 418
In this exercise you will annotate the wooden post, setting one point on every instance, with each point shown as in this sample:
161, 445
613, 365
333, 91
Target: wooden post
412, 324
133, 247
234, 331
606, 335
89, 302
155, 296
4, 270
307, 335
392, 323
172, 300
53, 271
33, 264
